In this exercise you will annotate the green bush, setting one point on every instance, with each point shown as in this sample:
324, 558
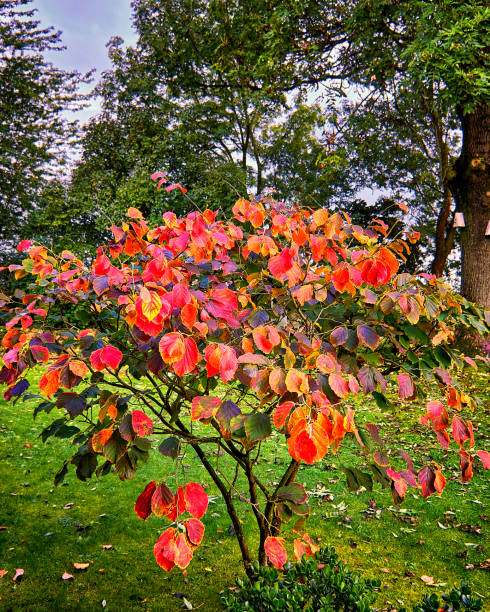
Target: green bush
323, 583
457, 599
320, 583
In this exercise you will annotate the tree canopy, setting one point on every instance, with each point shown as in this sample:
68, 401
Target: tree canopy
35, 132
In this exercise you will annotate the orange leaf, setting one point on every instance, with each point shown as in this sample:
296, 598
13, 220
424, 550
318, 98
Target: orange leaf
172, 347
100, 439
296, 381
78, 367
50, 382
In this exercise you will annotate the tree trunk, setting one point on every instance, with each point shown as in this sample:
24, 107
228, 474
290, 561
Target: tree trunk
471, 190
444, 237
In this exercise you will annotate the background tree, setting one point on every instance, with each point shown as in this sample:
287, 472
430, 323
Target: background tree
204, 95
34, 130
439, 51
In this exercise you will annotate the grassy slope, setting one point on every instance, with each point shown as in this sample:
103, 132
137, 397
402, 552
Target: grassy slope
408, 543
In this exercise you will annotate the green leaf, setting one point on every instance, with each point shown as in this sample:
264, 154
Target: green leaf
415, 333
381, 400
293, 492
442, 357
170, 447
257, 426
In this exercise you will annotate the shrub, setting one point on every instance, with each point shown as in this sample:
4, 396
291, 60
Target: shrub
211, 333
456, 599
320, 583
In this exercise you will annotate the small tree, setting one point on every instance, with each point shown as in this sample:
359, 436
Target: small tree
271, 321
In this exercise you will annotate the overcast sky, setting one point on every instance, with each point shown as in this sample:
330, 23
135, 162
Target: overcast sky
86, 27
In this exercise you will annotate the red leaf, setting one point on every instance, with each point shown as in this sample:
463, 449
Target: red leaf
24, 245
183, 552
439, 482
148, 304
159, 175
19, 573
228, 363
341, 279
142, 507
438, 415
162, 500
466, 468
406, 388
196, 500
398, 481
194, 530
178, 504
175, 186
280, 264
109, 356
460, 431
485, 458
281, 413
426, 478
368, 337
277, 380
142, 424
78, 367
204, 407
339, 386
40, 353
189, 359
305, 448
165, 549
276, 551
266, 338
180, 295
66, 576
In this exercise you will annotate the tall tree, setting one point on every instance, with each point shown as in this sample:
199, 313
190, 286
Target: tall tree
205, 95
34, 130
440, 50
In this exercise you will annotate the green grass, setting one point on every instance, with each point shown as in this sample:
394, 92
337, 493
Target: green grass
370, 535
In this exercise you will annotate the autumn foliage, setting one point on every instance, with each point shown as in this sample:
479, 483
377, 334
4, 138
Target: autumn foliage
271, 322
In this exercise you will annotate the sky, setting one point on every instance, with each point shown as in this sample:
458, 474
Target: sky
86, 26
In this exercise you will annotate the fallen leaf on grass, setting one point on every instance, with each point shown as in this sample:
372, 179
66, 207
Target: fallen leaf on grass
68, 505
384, 570
67, 576
2, 573
103, 603
19, 573
3, 528
107, 546
427, 579
50, 533
81, 566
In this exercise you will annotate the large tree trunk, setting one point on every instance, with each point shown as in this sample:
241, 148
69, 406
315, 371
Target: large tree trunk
471, 190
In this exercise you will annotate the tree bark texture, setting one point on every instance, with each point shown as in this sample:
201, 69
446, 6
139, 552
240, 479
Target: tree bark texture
471, 189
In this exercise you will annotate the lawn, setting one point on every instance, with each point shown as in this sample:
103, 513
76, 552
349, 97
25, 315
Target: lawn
48, 529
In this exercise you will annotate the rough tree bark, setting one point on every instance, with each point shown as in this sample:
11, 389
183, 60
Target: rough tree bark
470, 186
